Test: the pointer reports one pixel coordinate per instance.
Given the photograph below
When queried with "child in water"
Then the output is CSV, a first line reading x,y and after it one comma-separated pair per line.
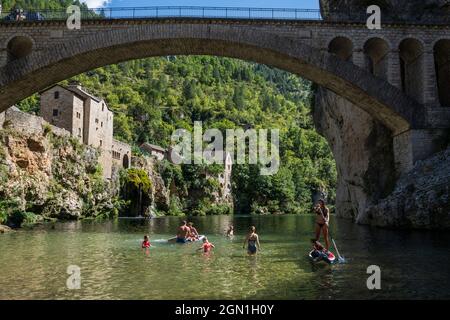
x,y
230,231
146,243
206,246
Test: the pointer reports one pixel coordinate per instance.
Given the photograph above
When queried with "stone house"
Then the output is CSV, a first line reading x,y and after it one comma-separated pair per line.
x,y
88,118
225,178
155,151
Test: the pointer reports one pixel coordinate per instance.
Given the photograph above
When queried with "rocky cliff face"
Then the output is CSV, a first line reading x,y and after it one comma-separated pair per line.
x,y
367,189
396,10
362,148
421,198
158,196
44,175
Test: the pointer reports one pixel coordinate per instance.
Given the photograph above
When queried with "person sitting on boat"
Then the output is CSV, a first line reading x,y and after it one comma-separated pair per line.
x,y
183,233
146,243
206,246
252,241
193,234
322,220
317,245
230,231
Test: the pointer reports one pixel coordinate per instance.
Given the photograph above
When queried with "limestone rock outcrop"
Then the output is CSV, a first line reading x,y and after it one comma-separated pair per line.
x,y
47,175
4,229
159,195
421,198
362,148
395,10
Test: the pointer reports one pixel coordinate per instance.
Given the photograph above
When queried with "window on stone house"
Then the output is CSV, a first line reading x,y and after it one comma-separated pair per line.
x,y
96,120
103,107
55,112
56,94
101,143
79,132
101,124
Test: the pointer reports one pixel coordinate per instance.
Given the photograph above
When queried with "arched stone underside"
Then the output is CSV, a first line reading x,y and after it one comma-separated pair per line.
x,y
24,76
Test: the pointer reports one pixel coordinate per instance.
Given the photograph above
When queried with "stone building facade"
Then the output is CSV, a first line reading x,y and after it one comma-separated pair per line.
x,y
155,151
88,118
225,179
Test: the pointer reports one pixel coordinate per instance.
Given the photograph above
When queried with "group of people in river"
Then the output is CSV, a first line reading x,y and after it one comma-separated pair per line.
x,y
188,233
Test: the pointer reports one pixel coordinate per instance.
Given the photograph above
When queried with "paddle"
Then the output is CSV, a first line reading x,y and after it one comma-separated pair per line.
x,y
341,259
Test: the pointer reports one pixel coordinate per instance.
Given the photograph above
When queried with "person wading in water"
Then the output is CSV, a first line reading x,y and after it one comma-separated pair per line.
x,y
322,219
252,241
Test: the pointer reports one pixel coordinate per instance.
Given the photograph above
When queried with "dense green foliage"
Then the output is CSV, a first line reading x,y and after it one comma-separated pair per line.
x,y
153,97
39,4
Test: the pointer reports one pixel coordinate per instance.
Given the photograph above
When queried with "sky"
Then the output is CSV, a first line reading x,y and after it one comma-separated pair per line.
x,y
300,4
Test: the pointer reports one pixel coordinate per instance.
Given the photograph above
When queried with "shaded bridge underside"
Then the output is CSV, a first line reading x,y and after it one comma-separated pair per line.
x,y
39,70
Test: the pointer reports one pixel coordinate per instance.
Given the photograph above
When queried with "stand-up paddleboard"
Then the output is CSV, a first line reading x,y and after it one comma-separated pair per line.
x,y
174,239
316,256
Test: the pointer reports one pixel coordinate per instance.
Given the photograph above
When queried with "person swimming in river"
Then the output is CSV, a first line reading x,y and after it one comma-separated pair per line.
x,y
322,221
146,243
206,246
183,233
193,234
230,231
252,241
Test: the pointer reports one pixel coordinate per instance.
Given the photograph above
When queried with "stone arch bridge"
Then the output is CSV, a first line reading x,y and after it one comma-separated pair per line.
x,y
400,74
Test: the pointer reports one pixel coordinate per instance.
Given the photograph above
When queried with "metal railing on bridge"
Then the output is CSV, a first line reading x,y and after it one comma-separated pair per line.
x,y
242,13
166,12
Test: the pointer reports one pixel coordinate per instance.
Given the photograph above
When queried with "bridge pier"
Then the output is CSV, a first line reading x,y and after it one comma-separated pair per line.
x,y
415,145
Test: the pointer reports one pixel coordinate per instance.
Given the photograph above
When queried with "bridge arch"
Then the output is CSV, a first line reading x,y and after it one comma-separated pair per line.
x,y
376,51
19,46
442,67
411,55
342,47
23,77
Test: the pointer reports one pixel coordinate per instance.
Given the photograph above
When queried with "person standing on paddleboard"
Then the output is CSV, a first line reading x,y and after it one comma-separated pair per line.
x,y
322,220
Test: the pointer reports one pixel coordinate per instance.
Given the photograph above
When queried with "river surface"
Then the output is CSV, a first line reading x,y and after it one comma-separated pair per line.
x,y
33,263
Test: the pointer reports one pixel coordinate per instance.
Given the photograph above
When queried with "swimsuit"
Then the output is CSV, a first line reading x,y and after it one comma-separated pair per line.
x,y
321,224
251,246
146,244
181,240
207,247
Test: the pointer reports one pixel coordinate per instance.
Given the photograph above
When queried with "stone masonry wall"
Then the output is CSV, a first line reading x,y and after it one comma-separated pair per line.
x,y
27,123
316,34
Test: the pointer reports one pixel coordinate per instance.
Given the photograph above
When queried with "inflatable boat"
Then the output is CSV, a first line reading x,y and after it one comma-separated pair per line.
x,y
174,239
316,256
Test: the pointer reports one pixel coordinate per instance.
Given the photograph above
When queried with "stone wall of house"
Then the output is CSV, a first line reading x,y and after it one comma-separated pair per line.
x,y
28,123
69,110
121,154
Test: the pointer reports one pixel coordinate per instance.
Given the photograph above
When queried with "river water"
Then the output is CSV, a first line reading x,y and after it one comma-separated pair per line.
x,y
33,263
